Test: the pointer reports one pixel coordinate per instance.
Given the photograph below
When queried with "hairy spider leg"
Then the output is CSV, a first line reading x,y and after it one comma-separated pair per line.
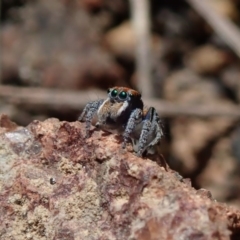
x,y
134,119
147,130
157,128
88,114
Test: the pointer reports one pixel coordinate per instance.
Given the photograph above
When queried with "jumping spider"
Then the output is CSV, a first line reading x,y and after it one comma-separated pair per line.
x,y
123,113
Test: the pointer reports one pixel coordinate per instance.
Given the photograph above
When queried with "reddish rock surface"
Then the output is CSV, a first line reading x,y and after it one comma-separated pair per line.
x,y
57,185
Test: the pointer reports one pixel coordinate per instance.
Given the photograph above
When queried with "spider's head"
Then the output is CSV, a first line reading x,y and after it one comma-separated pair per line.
x,y
125,99
124,94
120,104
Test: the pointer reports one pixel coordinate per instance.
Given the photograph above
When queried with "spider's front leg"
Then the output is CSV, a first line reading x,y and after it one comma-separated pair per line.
x,y
134,119
156,130
151,132
88,113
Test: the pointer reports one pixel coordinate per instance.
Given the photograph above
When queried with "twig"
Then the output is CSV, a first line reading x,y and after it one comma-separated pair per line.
x,y
59,99
141,25
226,29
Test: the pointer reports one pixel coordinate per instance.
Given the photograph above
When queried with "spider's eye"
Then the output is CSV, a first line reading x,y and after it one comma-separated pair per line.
x,y
108,91
114,93
123,95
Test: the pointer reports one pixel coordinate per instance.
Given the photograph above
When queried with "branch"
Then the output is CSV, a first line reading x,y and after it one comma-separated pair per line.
x,y
76,100
141,25
227,30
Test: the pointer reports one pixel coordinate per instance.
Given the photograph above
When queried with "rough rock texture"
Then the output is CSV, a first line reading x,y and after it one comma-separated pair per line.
x,y
54,184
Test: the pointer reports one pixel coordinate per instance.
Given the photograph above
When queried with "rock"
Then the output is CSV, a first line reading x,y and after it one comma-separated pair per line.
x,y
230,79
207,59
194,138
221,175
6,124
121,40
55,184
187,87
57,44
226,8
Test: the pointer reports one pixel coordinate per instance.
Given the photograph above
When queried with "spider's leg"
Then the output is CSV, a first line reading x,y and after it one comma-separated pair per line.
x,y
133,120
147,130
144,137
81,118
88,113
157,129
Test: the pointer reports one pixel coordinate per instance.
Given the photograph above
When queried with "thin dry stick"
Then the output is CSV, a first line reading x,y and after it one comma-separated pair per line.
x,y
226,29
141,25
76,100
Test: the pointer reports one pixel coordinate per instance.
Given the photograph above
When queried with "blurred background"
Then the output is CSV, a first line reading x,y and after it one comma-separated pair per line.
x,y
182,55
